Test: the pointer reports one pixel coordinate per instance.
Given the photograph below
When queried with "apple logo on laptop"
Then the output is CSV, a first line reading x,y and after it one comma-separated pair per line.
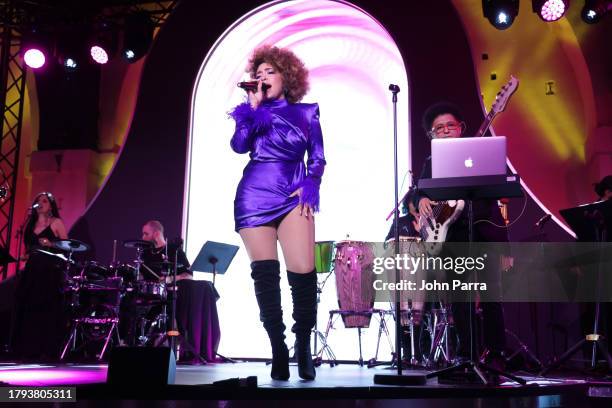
x,y
469,163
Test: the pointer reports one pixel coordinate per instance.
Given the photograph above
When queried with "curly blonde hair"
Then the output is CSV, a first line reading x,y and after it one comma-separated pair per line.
x,y
291,68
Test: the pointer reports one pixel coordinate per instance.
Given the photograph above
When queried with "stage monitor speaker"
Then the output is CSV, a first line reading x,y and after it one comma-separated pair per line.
x,y
142,365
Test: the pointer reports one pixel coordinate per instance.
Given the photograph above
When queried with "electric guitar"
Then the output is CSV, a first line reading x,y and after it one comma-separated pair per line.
x,y
434,229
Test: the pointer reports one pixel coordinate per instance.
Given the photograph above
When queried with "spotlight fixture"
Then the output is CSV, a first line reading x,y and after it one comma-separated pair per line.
x,y
34,49
500,13
594,10
550,10
72,49
137,36
103,44
34,57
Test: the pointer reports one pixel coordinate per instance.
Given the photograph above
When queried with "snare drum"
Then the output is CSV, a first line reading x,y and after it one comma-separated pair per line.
x,y
150,290
354,280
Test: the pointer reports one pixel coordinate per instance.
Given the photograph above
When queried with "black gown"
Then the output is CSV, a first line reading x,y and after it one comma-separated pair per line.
x,y
40,318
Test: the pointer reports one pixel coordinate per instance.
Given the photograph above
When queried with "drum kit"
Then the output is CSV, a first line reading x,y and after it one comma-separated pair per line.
x,y
97,294
352,263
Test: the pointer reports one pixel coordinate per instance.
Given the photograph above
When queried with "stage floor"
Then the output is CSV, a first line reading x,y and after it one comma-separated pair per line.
x,y
347,382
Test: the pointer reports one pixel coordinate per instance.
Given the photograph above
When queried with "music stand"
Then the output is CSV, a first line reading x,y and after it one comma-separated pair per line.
x,y
591,223
214,257
468,189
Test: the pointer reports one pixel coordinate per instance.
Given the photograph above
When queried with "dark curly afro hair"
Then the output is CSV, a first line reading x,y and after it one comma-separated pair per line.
x,y
292,69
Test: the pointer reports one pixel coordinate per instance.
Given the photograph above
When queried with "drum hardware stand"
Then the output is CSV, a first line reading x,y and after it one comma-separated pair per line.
x,y
317,333
382,328
440,339
522,349
330,323
87,320
592,218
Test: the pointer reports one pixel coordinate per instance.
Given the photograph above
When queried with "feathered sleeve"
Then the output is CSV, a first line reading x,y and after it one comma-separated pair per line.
x,y
249,123
315,163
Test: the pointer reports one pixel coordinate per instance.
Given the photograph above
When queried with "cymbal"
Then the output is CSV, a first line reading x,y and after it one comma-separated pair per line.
x,y
71,245
60,256
137,243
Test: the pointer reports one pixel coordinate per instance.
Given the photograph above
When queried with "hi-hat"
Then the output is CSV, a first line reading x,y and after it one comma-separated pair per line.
x,y
137,243
72,245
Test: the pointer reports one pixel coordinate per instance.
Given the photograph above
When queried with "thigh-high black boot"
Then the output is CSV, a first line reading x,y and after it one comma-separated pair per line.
x,y
266,276
304,293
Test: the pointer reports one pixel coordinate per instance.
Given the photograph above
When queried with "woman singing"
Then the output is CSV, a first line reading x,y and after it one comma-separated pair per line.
x,y
278,195
40,325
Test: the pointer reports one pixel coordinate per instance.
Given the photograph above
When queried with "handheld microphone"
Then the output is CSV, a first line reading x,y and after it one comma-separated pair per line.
x,y
252,86
543,220
35,206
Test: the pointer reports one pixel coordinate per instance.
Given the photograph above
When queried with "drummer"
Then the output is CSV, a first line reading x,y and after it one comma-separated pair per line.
x,y
161,250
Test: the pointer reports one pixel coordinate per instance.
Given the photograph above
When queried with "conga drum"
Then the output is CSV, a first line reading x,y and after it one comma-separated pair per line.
x,y
354,282
324,252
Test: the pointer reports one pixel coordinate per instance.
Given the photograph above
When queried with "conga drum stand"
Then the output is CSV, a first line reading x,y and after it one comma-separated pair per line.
x,y
324,255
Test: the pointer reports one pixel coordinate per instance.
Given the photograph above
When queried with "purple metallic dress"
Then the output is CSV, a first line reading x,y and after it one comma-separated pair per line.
x,y
277,134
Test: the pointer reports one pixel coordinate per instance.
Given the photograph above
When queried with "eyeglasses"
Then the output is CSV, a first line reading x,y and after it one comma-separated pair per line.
x,y
439,128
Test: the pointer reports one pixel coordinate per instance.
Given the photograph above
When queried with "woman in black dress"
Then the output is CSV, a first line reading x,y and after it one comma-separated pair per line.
x,y
39,319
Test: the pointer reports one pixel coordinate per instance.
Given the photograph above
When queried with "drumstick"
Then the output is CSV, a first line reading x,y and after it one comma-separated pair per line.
x,y
150,271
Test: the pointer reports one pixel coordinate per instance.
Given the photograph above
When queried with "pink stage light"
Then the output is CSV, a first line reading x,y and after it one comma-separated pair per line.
x,y
552,10
99,54
34,58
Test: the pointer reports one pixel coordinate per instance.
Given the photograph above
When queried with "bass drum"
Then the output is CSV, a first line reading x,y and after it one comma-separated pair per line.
x,y
97,320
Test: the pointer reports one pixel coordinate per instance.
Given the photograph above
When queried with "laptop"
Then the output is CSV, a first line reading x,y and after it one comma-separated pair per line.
x,y
468,156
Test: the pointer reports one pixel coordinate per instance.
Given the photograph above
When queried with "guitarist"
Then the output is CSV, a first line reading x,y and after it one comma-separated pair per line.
x,y
444,120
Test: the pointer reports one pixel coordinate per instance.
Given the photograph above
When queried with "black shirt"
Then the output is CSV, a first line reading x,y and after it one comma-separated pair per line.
x,y
152,258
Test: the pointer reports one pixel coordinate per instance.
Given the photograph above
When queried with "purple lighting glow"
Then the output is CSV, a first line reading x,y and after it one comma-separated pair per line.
x,y
552,10
34,58
99,54
36,375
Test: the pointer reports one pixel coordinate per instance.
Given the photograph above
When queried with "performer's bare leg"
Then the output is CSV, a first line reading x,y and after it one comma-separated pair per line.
x,y
260,242
296,234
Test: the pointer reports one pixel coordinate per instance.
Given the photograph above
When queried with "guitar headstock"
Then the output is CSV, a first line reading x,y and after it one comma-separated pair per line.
x,y
504,95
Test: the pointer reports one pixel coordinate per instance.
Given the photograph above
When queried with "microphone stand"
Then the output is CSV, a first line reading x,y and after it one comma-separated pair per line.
x,y
173,333
19,237
397,379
